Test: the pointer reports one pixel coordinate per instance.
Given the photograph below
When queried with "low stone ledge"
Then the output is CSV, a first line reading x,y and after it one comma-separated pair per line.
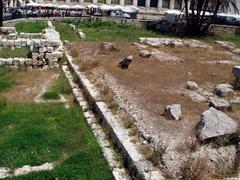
x,y
118,172
136,163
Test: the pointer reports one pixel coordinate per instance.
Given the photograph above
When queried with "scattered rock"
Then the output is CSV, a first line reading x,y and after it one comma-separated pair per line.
x,y
72,26
226,45
109,46
124,63
81,35
139,46
224,90
157,42
28,62
220,104
162,56
236,72
173,111
214,123
144,54
236,51
66,42
192,85
196,96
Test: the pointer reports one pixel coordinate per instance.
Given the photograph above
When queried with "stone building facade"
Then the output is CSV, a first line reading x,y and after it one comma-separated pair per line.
x,y
149,5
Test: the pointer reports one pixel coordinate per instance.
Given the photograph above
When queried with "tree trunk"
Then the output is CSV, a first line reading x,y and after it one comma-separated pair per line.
x,y
1,13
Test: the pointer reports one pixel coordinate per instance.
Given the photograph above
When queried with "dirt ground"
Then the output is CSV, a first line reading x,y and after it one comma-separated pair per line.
x,y
149,84
28,84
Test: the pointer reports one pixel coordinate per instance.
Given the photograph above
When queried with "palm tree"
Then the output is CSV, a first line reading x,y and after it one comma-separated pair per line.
x,y
197,21
1,13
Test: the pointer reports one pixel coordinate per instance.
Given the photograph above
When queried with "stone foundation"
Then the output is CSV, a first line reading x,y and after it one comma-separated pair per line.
x,y
45,51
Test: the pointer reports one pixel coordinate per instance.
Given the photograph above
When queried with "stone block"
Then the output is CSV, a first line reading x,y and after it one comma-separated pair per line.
x,y
18,42
50,49
35,56
214,123
28,62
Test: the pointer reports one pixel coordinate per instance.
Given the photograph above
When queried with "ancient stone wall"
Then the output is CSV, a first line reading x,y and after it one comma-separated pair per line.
x,y
46,50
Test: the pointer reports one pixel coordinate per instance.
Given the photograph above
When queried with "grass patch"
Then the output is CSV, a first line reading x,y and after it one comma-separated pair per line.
x,y
51,95
8,52
5,80
103,31
232,38
62,86
34,134
66,33
31,27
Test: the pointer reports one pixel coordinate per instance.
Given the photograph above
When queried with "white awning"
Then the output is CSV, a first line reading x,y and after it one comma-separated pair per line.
x,y
92,6
77,7
117,7
105,7
32,4
64,6
130,9
50,5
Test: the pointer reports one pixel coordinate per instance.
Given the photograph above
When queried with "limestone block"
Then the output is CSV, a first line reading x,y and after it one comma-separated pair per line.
x,y
10,42
24,42
30,42
18,42
35,56
2,62
28,62
214,123
50,49
192,85
16,62
42,49
9,61
8,30
4,42
12,36
34,62
219,103
224,90
36,43
173,111
44,42
54,55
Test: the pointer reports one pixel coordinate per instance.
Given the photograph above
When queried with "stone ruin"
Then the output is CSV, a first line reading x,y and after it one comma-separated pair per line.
x,y
46,49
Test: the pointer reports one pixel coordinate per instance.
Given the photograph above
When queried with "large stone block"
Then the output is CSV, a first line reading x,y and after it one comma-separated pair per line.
x,y
9,61
30,42
2,62
28,62
42,49
35,56
224,90
236,72
54,55
8,30
18,42
214,123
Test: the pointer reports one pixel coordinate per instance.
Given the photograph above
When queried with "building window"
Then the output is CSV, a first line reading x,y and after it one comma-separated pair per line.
x,y
128,2
178,4
153,3
102,1
74,0
166,3
87,1
141,3
114,1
